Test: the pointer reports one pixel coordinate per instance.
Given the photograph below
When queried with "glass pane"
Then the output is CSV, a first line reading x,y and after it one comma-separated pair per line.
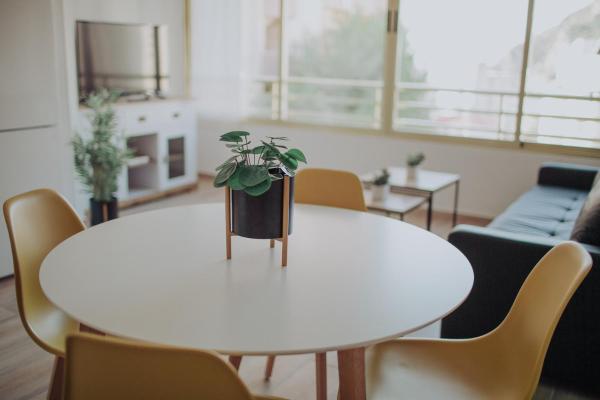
x,y
336,53
458,67
562,103
261,36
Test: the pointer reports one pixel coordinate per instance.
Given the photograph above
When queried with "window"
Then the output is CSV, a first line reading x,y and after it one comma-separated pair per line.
x,y
458,67
562,92
452,68
335,68
261,28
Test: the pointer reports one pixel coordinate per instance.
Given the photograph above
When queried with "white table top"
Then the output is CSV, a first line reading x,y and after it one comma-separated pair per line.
x,y
353,279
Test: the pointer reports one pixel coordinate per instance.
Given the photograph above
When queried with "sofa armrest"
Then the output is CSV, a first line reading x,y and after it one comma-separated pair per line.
x,y
573,176
501,262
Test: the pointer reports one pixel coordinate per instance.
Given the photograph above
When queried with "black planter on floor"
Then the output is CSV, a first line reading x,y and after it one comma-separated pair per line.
x,y
260,217
102,211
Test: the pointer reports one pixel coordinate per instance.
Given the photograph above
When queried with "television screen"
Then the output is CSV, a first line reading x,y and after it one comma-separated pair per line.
x,y
130,58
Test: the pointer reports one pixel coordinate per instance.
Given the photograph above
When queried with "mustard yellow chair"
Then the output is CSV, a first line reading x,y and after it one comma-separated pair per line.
x,y
38,221
503,364
328,187
100,368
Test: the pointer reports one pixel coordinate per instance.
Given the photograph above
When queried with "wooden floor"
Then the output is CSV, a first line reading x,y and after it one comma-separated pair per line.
x,y
25,368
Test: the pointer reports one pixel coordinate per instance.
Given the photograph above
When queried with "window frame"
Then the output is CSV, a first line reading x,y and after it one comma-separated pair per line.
x,y
386,129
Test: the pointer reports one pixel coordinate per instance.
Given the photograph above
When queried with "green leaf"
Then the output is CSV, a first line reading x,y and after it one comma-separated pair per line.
x,y
233,136
224,174
259,189
271,149
234,181
278,137
252,175
226,162
258,149
238,133
296,154
230,138
289,162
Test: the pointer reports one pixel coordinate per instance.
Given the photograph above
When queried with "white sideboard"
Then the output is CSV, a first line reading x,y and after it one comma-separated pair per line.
x,y
162,136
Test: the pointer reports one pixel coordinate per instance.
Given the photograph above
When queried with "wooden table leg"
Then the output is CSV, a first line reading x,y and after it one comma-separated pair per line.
x,y
351,366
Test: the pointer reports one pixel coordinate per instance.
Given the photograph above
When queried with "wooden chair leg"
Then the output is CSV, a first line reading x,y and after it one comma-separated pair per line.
x,y
269,367
321,370
235,361
55,391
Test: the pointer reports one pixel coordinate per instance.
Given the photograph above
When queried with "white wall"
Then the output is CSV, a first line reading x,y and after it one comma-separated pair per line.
x,y
491,177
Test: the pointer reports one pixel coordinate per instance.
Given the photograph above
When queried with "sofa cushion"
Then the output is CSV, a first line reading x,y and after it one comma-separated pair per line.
x,y
587,225
548,211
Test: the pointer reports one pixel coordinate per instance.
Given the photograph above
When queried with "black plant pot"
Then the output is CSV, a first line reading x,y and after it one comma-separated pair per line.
x,y
261,217
102,211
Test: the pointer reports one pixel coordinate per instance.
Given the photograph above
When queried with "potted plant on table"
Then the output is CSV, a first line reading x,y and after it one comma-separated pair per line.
x,y
412,164
381,186
100,159
255,177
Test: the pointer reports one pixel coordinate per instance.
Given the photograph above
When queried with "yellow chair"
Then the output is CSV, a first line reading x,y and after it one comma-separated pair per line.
x,y
38,221
328,187
100,368
503,364
324,187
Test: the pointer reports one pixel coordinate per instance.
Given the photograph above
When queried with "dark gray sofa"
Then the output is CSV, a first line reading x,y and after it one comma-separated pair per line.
x,y
503,253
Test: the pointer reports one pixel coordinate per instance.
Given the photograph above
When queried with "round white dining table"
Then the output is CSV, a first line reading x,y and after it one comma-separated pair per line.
x,y
353,279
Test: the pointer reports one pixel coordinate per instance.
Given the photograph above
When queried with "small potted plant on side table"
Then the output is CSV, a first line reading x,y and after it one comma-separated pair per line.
x,y
99,160
255,176
381,188
412,164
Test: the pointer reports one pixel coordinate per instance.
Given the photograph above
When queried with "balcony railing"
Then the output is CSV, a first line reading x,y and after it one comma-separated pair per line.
x,y
419,108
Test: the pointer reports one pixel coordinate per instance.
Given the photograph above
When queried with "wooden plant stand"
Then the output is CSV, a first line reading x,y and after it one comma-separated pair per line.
x,y
284,225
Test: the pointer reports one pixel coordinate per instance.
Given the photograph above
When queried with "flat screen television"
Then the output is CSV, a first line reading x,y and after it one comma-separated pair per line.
x,y
130,58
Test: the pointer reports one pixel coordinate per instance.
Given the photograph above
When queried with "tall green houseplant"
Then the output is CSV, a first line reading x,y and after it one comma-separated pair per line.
x,y
100,159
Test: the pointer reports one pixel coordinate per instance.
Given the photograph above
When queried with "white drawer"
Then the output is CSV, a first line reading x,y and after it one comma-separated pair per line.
x,y
154,117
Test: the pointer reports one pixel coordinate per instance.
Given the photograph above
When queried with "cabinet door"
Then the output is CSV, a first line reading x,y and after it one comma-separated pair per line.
x,y
27,64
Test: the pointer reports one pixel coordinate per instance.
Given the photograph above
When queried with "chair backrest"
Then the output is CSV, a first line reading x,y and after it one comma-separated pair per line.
x,y
37,221
99,368
522,339
329,187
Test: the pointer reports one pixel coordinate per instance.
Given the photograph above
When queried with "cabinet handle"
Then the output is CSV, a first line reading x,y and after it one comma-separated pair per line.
x,y
175,115
141,118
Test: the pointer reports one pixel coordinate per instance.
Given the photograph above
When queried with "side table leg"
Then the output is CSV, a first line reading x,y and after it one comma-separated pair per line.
x,y
351,366
455,214
429,210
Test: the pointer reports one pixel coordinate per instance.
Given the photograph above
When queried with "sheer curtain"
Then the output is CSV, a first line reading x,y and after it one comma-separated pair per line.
x,y
216,57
